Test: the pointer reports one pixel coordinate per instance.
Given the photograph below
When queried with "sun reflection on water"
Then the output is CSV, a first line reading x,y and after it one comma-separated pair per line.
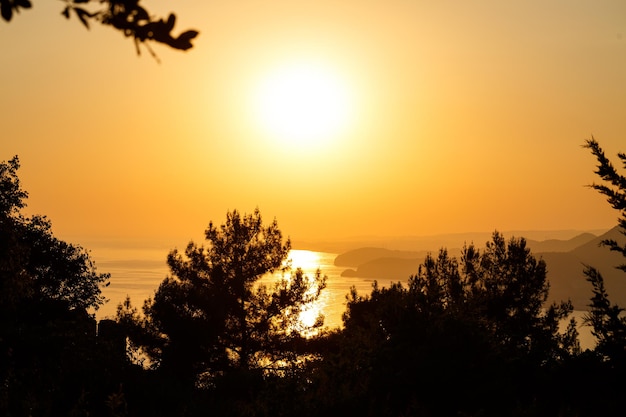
x,y
309,262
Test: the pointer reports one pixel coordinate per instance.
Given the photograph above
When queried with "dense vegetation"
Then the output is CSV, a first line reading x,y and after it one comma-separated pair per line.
x,y
463,337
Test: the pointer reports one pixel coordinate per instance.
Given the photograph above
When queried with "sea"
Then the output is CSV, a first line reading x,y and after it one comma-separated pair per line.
x,y
137,272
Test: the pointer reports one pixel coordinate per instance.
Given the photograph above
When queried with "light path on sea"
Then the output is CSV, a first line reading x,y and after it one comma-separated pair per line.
x,y
137,273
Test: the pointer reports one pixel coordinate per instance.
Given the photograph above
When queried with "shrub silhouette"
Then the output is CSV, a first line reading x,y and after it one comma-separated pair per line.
x,y
212,324
47,338
605,318
462,338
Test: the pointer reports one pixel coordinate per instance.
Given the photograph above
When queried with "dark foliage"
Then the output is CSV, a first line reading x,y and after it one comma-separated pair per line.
x,y
614,188
468,338
126,16
606,319
465,337
212,324
34,265
48,348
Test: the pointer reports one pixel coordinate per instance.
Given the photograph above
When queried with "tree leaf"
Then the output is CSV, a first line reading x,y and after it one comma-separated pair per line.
x,y
184,40
170,22
82,15
141,14
66,12
6,10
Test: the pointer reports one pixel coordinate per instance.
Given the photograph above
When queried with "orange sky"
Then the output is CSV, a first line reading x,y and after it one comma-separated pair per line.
x,y
468,116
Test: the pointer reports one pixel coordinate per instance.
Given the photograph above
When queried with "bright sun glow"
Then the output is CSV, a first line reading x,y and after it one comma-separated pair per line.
x,y
305,259
309,262
303,104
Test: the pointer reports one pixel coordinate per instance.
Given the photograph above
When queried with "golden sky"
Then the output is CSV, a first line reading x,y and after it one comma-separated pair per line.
x,y
456,116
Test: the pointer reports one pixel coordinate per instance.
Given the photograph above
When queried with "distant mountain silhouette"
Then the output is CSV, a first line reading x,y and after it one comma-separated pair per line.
x,y
395,269
558,245
360,256
565,271
565,260
432,243
594,246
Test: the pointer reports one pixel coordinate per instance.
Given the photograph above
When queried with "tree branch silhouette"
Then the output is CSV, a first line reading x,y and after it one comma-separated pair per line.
x,y
126,16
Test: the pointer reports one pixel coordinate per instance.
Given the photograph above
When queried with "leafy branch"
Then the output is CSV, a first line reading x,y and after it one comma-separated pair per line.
x,y
127,16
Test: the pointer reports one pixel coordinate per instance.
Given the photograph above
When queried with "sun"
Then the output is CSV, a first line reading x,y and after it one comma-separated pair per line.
x,y
303,104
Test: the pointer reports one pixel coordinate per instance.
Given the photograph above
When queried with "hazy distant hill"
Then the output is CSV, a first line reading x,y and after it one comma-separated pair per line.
x,y
565,271
395,269
435,242
559,245
378,263
360,256
565,259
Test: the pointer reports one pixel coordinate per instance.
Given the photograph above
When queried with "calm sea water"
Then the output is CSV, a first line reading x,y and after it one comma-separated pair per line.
x,y
138,272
